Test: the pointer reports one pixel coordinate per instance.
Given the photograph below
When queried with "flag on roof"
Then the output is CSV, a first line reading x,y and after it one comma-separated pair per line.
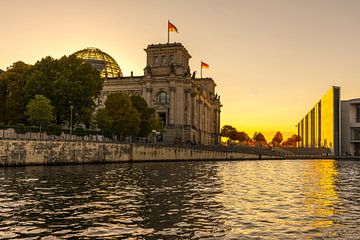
x,y
171,27
204,65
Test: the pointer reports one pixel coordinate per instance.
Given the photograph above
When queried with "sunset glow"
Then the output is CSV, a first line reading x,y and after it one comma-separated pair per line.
x,y
271,60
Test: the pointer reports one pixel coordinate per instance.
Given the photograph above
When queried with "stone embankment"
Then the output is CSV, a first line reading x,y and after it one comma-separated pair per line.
x,y
40,152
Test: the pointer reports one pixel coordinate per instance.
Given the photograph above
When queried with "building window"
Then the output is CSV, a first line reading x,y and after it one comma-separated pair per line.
x,y
356,149
161,98
164,59
162,117
357,106
156,60
355,134
172,59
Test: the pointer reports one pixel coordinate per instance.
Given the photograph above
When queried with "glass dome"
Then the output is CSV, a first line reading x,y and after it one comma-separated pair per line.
x,y
101,61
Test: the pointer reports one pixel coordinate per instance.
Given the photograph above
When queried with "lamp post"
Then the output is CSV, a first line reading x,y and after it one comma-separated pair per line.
x,y
71,112
154,135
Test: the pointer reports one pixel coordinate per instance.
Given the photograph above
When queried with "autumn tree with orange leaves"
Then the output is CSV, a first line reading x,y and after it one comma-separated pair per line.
x,y
291,141
277,139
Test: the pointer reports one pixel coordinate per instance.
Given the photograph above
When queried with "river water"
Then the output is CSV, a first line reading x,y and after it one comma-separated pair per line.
x,y
293,199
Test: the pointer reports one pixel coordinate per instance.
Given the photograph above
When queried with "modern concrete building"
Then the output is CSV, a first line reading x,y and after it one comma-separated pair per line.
x,y
320,127
189,106
332,123
350,127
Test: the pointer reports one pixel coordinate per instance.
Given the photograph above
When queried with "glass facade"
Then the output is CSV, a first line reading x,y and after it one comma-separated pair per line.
x,y
103,62
320,127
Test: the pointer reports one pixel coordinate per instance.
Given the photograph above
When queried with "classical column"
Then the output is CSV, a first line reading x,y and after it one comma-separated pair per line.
x,y
148,96
188,108
193,112
201,121
218,126
172,106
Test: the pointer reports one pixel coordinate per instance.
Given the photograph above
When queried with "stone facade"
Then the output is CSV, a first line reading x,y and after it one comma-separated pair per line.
x,y
189,106
30,152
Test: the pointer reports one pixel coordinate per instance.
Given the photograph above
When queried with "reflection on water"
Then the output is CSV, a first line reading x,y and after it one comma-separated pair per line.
x,y
190,200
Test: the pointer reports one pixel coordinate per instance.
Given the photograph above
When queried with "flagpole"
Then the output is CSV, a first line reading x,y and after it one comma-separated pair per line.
x,y
168,32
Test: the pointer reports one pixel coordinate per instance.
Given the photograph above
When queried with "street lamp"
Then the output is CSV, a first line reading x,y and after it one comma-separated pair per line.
x,y
71,112
154,135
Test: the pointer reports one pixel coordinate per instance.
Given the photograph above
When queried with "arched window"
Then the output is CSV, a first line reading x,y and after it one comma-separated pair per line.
x,y
161,98
163,59
156,60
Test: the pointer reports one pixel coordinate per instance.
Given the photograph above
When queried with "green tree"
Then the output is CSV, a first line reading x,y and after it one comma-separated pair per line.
x,y
66,81
40,111
102,120
149,120
124,117
12,101
3,99
41,77
277,139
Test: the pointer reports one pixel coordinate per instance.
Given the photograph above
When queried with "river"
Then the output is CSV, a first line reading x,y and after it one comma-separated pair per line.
x,y
289,199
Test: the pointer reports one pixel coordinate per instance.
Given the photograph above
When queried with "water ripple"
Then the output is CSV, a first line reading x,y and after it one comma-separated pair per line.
x,y
189,200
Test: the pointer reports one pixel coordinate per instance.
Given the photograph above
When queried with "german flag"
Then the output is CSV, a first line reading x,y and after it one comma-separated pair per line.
x,y
171,27
204,65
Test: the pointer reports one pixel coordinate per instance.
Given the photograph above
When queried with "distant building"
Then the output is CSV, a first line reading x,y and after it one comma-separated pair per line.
x,y
320,127
332,123
350,127
188,106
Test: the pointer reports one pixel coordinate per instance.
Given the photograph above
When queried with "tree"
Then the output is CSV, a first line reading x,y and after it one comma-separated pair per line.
x,y
291,141
66,81
40,111
124,117
149,120
241,137
277,139
102,120
12,101
229,132
259,138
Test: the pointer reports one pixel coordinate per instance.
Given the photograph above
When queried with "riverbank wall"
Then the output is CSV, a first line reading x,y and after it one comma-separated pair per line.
x,y
37,152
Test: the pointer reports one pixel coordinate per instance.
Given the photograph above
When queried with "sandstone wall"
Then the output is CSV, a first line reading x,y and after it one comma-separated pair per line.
x,y
25,152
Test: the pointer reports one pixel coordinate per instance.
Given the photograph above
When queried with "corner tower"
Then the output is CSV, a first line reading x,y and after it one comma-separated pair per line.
x,y
167,59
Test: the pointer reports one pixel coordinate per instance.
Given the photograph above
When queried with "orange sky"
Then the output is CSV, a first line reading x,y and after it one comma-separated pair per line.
x,y
272,60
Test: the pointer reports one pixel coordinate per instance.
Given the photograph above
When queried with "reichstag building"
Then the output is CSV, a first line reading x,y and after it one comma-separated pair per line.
x,y
189,106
